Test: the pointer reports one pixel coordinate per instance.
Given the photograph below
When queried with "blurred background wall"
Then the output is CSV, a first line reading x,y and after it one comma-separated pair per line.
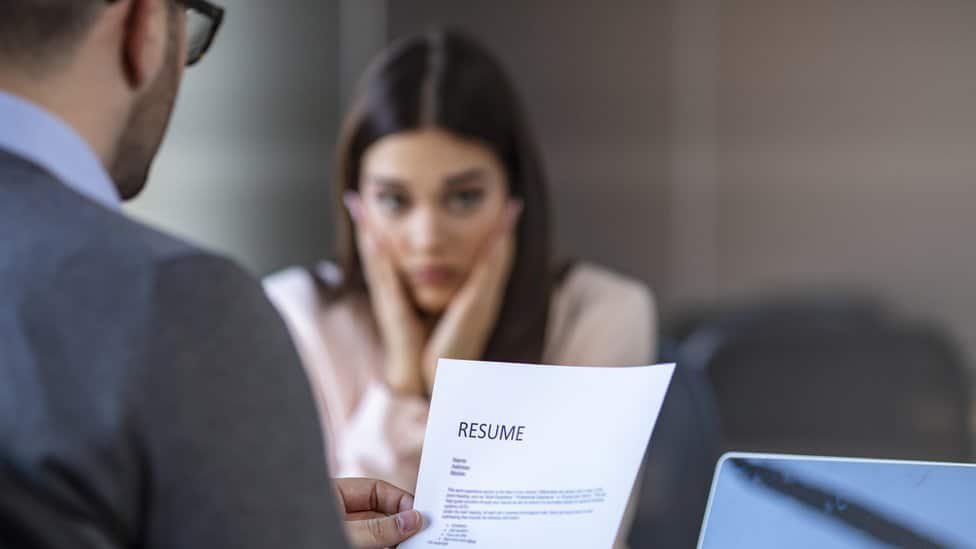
x,y
718,150
246,164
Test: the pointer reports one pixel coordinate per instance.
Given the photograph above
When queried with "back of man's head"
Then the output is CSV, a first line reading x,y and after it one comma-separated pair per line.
x,y
35,34
110,69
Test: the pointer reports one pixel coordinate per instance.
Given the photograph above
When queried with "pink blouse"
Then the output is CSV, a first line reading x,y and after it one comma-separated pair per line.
x,y
596,318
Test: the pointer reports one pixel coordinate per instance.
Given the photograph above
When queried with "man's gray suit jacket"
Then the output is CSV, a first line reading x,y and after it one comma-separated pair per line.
x,y
150,396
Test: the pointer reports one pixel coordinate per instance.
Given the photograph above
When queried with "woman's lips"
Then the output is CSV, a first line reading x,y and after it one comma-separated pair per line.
x,y
433,276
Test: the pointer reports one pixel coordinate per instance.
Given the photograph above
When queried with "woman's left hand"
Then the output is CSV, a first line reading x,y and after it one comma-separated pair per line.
x,y
463,330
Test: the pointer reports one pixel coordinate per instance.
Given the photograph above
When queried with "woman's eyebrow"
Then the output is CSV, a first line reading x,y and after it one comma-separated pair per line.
x,y
466,176
386,180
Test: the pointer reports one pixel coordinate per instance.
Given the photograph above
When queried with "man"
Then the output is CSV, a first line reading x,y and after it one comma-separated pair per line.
x,y
149,395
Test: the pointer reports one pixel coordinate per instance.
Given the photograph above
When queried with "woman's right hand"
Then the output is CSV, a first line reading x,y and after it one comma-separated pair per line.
x,y
465,327
402,331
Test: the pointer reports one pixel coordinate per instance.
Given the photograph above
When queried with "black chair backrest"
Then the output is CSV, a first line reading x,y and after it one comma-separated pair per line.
x,y
811,381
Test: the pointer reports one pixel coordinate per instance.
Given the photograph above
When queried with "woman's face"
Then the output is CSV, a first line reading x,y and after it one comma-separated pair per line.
x,y
436,199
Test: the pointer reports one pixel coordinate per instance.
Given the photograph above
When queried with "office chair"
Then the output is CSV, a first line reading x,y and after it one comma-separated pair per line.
x,y
809,379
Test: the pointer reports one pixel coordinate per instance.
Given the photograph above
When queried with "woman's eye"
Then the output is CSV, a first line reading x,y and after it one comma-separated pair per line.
x,y
392,202
465,200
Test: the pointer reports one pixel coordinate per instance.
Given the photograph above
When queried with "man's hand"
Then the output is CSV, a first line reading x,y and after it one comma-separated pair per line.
x,y
377,514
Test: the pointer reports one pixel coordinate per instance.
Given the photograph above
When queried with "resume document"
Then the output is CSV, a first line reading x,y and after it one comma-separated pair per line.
x,y
519,455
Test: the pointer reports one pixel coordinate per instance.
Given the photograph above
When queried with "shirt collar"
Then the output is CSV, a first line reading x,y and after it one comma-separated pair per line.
x,y
39,137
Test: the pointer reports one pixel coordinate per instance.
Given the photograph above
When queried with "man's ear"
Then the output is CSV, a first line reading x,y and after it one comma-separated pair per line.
x,y
144,40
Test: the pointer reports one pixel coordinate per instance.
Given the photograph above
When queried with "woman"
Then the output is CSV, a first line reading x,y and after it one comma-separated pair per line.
x,y
445,252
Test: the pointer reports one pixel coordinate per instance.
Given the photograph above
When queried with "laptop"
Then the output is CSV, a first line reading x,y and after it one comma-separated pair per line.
x,y
766,501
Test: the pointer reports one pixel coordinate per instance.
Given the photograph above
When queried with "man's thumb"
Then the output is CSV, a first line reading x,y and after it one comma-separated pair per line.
x,y
377,533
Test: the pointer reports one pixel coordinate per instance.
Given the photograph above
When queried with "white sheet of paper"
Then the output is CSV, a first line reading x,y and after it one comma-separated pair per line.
x,y
519,455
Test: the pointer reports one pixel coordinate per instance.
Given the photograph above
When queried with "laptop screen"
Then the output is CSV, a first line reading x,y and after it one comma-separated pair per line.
x,y
767,501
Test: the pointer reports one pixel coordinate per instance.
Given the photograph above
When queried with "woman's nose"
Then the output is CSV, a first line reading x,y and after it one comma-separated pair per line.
x,y
426,231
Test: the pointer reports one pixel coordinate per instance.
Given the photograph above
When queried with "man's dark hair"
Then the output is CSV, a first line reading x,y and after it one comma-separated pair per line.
x,y
37,32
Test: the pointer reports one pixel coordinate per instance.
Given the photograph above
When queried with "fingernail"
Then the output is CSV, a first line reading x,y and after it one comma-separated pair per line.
x,y
517,206
406,503
355,207
409,521
515,210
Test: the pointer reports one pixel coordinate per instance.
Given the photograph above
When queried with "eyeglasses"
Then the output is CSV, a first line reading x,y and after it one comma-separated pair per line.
x,y
202,23
203,20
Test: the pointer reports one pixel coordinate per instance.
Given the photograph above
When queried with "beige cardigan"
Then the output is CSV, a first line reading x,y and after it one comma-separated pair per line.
x,y
596,318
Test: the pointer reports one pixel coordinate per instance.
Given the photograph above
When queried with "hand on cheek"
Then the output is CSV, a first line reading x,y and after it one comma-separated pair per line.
x,y
469,320
466,324
402,332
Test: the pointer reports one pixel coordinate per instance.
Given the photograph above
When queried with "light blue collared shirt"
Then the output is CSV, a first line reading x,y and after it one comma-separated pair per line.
x,y
32,133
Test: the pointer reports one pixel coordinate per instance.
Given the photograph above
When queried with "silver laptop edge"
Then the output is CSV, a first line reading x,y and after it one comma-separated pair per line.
x,y
798,457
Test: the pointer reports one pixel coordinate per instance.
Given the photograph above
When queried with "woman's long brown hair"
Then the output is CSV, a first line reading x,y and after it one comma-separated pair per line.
x,y
446,80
